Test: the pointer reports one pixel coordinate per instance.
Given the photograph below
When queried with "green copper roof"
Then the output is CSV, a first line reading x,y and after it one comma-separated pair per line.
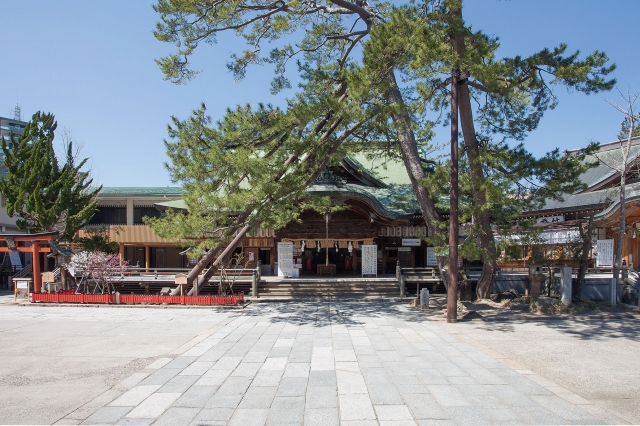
x,y
386,202
175,205
160,191
390,171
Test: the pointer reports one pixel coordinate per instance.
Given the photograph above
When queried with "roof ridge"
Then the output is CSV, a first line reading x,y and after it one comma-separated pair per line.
x,y
608,145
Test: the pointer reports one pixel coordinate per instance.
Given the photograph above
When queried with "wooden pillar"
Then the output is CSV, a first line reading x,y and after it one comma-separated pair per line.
x,y
63,272
121,253
354,262
147,263
272,256
37,278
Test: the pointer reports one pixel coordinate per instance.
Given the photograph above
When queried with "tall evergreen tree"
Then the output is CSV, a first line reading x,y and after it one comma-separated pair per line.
x,y
499,100
419,45
45,195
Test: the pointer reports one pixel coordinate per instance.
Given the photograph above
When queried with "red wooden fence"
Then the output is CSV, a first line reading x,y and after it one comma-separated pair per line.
x,y
65,296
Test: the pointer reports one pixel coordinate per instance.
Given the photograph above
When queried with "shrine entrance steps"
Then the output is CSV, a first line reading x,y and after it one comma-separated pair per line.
x,y
291,288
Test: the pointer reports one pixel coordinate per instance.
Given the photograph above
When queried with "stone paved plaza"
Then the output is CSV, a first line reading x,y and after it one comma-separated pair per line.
x,y
311,363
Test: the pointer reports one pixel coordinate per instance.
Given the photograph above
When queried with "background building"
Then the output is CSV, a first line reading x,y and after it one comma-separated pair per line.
x,y
7,127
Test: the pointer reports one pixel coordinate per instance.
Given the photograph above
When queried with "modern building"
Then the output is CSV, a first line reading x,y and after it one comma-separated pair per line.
x,y
8,126
121,212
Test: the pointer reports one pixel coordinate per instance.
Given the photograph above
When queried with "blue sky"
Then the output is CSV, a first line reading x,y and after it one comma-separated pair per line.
x,y
91,64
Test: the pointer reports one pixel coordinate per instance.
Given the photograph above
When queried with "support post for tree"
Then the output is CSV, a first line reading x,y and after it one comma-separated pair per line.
x,y
452,288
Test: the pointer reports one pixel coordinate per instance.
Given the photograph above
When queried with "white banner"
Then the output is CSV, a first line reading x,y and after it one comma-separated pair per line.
x,y
411,242
431,257
604,256
285,259
370,260
548,237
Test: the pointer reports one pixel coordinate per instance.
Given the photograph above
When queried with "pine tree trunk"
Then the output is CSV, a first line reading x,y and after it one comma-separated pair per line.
x,y
411,159
587,241
201,280
482,218
617,264
209,257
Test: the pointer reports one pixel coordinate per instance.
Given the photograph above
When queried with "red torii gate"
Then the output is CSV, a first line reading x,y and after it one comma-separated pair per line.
x,y
12,239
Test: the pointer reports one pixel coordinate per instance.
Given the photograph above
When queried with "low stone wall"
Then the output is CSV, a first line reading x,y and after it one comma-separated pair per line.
x,y
504,282
594,288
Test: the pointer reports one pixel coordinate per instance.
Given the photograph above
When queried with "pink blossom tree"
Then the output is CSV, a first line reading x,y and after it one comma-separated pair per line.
x,y
101,267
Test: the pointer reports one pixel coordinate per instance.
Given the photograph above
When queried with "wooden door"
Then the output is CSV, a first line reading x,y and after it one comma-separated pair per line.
x,y
405,259
160,258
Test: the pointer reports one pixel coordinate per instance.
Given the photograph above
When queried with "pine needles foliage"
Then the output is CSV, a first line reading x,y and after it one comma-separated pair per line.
x,y
45,194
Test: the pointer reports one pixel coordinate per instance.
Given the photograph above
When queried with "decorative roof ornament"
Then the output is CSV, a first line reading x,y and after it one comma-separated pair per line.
x,y
328,177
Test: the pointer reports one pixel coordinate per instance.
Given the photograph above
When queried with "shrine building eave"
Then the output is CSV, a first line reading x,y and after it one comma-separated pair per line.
x,y
596,200
612,212
381,200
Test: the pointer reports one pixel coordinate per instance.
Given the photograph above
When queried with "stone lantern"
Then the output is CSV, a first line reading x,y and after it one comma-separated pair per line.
x,y
536,276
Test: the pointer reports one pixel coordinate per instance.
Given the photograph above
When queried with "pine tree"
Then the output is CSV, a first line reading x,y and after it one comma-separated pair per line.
x,y
510,96
45,195
381,44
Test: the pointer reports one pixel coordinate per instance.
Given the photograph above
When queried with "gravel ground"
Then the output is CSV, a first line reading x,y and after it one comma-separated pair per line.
x,y
592,354
55,359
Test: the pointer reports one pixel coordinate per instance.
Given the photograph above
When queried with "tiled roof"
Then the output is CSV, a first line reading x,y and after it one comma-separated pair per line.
x,y
609,155
160,191
585,200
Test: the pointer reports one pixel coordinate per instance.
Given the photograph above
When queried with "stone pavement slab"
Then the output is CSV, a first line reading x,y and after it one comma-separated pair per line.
x,y
334,362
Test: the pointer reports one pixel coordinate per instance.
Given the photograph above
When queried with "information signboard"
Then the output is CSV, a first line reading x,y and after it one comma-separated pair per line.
x,y
431,257
285,259
370,259
604,258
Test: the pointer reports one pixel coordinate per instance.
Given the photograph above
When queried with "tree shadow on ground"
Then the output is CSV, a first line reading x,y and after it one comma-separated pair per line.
x,y
323,313
327,312
585,327
594,329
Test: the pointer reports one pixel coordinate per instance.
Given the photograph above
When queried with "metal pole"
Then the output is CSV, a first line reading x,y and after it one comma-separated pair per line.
x,y
452,289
